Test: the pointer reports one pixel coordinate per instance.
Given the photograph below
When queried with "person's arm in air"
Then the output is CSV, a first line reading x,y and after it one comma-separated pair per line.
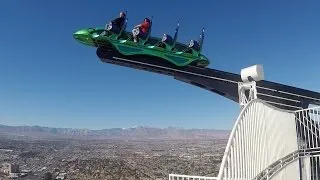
x,y
143,25
139,25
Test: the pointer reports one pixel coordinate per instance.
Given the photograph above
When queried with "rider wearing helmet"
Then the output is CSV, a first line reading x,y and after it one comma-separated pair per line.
x,y
143,29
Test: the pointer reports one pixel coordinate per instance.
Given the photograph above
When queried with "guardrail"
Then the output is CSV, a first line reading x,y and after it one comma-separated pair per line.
x,y
187,177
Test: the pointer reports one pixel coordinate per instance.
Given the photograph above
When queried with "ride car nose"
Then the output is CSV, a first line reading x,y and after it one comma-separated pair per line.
x,y
81,32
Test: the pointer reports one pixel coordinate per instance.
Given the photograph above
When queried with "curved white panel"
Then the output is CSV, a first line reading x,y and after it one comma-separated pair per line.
x,y
262,135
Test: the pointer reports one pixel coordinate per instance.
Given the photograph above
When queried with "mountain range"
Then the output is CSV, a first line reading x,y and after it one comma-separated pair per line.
x,y
140,132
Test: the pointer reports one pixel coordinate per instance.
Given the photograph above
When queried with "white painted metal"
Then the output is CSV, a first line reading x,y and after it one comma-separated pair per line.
x,y
243,88
267,143
308,122
252,73
262,134
186,177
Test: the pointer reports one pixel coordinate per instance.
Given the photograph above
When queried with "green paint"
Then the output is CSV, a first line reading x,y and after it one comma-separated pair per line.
x,y
124,44
128,49
177,59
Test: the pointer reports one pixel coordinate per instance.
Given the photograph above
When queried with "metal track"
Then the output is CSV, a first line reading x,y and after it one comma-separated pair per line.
x,y
277,166
220,82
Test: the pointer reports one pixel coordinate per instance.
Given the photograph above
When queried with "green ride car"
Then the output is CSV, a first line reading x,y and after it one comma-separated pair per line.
x,y
166,48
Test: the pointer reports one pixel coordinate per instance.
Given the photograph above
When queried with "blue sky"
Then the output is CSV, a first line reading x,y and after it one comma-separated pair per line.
x,y
49,79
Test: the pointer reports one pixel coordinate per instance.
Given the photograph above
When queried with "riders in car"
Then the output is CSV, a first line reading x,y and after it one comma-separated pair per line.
x,y
116,24
141,30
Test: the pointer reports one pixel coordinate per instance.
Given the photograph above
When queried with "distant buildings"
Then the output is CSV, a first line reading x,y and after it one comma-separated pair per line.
x,y
12,170
61,176
47,176
8,168
50,176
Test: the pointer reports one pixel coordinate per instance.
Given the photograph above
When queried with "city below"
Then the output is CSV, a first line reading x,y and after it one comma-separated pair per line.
x,y
34,152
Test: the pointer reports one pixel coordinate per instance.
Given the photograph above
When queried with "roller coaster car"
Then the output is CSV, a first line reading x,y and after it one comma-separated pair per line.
x,y
167,48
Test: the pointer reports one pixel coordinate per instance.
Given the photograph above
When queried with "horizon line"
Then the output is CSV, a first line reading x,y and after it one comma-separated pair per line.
x,y
143,126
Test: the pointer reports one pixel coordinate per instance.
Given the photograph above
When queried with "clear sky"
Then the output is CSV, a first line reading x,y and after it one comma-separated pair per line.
x,y
49,79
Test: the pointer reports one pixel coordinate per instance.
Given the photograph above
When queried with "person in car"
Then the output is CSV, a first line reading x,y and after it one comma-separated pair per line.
x,y
141,30
119,22
116,24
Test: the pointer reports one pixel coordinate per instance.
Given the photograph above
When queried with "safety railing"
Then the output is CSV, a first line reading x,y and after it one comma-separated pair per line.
x,y
187,177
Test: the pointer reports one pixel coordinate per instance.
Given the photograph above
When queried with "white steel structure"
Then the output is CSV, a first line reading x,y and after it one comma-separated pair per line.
x,y
262,135
269,143
183,177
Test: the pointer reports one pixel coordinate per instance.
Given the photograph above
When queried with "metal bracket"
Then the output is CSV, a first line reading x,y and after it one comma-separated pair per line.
x,y
247,92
